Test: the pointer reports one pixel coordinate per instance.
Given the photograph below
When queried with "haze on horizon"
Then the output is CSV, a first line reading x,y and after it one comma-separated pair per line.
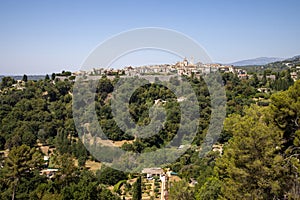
x,y
39,37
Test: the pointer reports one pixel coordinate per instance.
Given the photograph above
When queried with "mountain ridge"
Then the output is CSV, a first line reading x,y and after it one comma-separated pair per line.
x,y
257,61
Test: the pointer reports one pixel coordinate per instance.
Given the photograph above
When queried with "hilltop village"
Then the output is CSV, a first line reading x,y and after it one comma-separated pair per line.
x,y
180,68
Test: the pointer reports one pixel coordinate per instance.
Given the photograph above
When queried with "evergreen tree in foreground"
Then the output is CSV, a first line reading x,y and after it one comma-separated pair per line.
x,y
252,166
137,189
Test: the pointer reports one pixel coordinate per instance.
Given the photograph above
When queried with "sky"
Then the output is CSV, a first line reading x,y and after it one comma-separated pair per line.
x,y
39,37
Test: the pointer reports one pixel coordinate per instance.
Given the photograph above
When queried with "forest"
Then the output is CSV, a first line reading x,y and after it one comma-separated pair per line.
x,y
260,141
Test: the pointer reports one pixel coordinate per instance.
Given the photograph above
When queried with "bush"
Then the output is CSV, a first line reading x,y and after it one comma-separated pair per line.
x,y
110,176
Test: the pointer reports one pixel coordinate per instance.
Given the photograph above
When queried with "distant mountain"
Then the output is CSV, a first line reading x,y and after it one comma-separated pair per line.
x,y
257,61
293,59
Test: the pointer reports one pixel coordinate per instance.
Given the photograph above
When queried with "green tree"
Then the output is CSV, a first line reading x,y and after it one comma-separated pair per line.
x,y
180,190
264,79
210,190
85,189
62,142
254,81
110,176
25,78
7,82
19,163
47,78
286,110
137,189
65,164
285,107
29,139
42,136
53,75
251,167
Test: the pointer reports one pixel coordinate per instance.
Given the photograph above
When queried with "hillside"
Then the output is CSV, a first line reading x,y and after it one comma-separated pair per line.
x,y
259,135
256,61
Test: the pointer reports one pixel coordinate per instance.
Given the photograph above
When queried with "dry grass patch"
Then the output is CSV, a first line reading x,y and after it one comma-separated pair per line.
x,y
93,165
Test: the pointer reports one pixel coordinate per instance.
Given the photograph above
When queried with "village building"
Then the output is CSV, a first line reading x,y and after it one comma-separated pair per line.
x,y
150,172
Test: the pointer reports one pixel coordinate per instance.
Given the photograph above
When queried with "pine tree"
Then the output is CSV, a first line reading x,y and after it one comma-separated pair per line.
x,y
53,76
21,161
25,78
180,190
286,114
251,167
47,78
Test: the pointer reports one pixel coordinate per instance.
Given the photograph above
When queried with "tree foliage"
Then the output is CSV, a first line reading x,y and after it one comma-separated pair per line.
x,y
137,189
20,163
251,166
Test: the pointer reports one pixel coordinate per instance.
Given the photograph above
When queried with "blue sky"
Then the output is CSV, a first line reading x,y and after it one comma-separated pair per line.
x,y
39,37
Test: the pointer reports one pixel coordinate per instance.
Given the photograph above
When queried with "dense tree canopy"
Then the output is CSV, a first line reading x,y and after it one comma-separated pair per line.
x,y
260,142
